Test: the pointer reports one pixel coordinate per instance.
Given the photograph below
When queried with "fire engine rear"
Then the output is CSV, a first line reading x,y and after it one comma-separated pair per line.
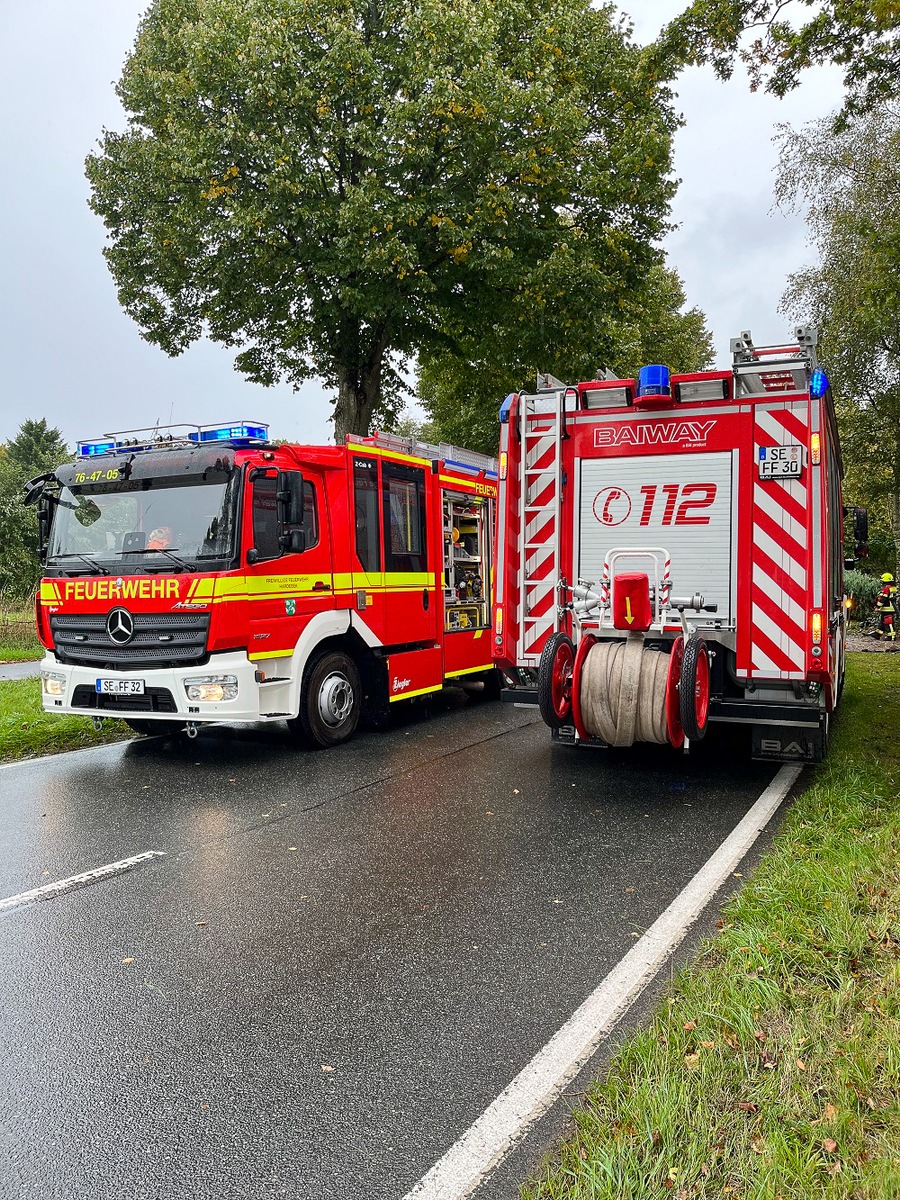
x,y
211,575
670,553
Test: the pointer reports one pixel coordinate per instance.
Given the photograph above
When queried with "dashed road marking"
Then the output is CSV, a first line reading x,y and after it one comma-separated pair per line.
x,y
50,890
505,1121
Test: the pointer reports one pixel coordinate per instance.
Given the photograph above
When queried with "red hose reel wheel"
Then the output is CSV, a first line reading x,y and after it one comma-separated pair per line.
x,y
695,689
584,647
674,728
554,686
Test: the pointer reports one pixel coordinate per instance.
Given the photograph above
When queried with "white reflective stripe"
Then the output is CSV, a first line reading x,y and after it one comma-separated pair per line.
x,y
780,637
780,557
765,500
768,587
770,423
761,661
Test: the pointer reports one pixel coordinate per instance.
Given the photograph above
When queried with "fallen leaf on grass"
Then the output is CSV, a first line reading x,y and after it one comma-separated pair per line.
x,y
829,1145
829,1112
691,1061
748,1106
708,1045
801,1065
689,1025
758,1144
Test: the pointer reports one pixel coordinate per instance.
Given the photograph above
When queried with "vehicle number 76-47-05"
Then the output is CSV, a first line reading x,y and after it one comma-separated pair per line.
x,y
121,687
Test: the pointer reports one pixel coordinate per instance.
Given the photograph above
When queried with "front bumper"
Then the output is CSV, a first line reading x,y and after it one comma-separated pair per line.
x,y
164,696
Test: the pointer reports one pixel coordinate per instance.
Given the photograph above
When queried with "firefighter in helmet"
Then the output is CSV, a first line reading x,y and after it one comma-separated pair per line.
x,y
886,607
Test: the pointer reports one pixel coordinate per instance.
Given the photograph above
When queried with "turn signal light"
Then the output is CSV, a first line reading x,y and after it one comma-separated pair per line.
x,y
815,449
504,457
816,626
498,620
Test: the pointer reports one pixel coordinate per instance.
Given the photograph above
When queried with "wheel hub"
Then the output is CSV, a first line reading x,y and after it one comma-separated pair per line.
x,y
335,699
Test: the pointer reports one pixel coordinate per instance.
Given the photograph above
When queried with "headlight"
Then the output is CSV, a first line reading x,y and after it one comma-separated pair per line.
x,y
53,683
212,688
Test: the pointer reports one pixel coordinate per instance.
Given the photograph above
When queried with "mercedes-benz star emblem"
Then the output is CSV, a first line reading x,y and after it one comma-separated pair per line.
x,y
120,626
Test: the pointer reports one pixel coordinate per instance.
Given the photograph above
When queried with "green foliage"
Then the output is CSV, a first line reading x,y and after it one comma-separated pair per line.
x,y
862,38
853,291
329,186
463,394
36,448
863,588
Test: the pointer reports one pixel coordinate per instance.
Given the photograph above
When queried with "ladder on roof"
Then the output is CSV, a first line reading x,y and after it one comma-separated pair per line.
x,y
541,429
443,451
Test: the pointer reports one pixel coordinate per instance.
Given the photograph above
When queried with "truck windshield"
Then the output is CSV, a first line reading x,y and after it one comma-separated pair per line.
x,y
147,524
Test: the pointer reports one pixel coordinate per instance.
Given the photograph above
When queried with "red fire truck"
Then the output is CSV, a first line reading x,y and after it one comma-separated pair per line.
x,y
670,553
211,575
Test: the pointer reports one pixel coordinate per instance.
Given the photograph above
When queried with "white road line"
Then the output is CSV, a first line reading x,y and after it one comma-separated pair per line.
x,y
539,1084
76,881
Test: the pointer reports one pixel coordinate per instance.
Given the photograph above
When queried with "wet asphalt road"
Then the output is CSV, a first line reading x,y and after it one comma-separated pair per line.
x,y
343,957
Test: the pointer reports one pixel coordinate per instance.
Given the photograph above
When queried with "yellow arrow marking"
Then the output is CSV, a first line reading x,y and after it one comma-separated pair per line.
x,y
628,617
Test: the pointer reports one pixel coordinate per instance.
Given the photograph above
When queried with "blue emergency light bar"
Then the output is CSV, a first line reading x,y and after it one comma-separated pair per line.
x,y
244,433
654,380
236,434
818,385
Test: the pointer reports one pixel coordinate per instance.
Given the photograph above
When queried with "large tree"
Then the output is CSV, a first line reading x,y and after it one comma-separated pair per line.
x,y
327,186
36,448
849,185
462,392
777,41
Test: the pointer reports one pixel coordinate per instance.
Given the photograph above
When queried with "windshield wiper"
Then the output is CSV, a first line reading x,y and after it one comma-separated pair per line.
x,y
185,566
92,563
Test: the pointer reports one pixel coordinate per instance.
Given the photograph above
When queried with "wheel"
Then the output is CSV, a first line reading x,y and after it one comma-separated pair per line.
x,y
674,727
554,687
330,700
584,648
694,689
155,728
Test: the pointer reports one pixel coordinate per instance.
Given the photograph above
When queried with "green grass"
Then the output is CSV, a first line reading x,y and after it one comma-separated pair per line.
x,y
772,1069
18,638
26,730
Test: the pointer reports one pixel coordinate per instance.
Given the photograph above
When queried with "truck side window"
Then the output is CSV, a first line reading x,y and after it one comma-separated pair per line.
x,y
403,500
310,524
265,517
365,503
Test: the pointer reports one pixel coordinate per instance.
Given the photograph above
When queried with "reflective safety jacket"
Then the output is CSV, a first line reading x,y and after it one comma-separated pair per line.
x,y
886,599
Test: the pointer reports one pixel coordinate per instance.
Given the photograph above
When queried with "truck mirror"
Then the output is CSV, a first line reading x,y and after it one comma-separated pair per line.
x,y
33,490
861,524
293,542
289,496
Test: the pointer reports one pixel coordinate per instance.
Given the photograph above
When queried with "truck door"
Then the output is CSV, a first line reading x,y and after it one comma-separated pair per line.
x,y
409,572
285,588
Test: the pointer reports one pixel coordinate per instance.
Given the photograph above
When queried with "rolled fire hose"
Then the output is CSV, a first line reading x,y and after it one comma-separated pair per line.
x,y
622,692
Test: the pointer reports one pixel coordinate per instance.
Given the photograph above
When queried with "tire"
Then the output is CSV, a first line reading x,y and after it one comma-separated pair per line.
x,y
694,689
554,687
155,728
330,701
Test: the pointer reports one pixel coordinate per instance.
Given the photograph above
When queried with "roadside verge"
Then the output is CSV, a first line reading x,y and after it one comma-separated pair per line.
x,y
773,1067
26,731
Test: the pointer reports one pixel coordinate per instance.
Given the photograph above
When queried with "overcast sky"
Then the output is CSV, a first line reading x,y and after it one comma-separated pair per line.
x,y
70,354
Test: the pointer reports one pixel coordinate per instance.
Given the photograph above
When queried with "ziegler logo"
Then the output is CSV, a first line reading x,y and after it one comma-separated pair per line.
x,y
654,433
398,685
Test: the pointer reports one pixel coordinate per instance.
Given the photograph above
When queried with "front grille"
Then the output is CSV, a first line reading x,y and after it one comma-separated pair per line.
x,y
160,640
154,700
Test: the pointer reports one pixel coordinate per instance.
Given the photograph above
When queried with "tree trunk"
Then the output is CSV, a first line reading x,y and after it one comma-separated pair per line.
x,y
359,392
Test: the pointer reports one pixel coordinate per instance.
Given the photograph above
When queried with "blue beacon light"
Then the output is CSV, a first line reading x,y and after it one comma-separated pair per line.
x,y
818,385
654,380
231,433
90,449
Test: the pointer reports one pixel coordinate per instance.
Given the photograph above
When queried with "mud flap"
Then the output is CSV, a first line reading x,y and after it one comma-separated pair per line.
x,y
791,743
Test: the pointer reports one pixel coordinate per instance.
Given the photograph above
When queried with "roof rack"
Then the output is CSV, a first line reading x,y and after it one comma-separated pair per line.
x,y
232,433
468,459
